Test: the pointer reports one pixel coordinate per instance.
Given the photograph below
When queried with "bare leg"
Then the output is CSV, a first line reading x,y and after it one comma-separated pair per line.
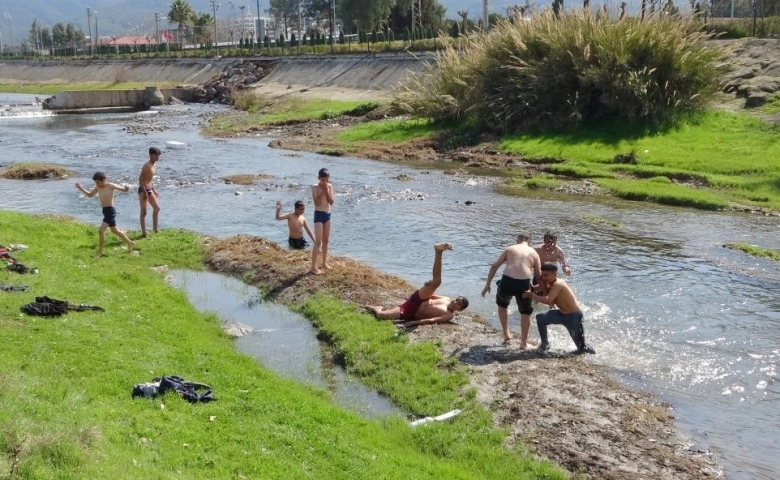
x,y
101,239
427,290
142,200
382,314
325,240
316,249
503,316
155,203
525,324
119,233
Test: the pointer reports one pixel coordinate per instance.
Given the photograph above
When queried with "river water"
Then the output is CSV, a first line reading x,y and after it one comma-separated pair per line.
x,y
666,306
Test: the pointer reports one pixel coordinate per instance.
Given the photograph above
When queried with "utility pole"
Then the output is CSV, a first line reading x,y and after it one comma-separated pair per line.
x,y
485,16
1,41
156,27
300,19
214,6
11,32
257,24
89,29
97,37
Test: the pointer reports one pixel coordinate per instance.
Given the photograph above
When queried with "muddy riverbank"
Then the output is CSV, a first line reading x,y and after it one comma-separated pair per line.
x,y
562,406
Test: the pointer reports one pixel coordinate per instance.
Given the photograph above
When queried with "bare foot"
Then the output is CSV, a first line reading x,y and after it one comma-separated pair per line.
x,y
327,267
507,341
523,346
315,271
144,235
98,254
374,309
130,246
440,247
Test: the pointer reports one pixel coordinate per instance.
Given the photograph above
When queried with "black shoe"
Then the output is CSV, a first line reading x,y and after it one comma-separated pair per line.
x,y
586,349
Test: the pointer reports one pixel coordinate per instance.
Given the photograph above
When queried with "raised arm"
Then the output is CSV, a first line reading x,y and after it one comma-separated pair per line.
x,y
279,215
89,193
329,195
114,186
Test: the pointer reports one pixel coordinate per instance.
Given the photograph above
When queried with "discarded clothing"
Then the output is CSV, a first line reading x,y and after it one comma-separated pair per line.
x,y
185,389
13,288
19,268
51,307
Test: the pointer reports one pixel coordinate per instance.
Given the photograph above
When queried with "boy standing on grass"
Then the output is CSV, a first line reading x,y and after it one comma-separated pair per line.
x,y
322,194
296,223
105,191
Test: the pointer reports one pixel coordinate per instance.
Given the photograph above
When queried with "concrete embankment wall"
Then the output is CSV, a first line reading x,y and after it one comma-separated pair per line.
x,y
382,72
185,71
113,99
350,71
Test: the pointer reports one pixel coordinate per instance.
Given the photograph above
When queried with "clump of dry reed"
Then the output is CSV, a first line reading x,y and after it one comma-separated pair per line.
x,y
555,71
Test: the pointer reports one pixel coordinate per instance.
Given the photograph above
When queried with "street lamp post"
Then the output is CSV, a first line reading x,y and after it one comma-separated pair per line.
x,y
215,6
10,31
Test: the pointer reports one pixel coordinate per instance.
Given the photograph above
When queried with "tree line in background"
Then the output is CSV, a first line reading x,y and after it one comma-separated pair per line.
x,y
316,22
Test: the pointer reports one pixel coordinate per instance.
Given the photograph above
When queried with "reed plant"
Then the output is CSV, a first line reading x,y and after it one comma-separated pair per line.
x,y
556,71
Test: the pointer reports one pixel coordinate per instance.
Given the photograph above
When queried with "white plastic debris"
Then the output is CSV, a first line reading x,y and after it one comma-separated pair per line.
x,y
445,416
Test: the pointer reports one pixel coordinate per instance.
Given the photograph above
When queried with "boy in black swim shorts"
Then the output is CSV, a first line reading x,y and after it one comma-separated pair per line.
x,y
296,223
105,191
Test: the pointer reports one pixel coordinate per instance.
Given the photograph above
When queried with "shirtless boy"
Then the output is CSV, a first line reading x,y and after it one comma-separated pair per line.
x,y
296,223
568,313
423,307
550,252
522,262
146,191
322,194
105,192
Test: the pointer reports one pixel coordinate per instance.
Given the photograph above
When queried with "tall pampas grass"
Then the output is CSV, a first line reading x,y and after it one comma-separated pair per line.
x,y
555,71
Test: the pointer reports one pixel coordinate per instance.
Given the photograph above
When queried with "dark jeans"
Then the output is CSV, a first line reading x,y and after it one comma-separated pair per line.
x,y
572,322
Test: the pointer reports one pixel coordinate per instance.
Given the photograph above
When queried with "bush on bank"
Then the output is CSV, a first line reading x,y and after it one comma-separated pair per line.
x,y
556,71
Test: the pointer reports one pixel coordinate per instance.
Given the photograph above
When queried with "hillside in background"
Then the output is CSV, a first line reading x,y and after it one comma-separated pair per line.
x,y
122,17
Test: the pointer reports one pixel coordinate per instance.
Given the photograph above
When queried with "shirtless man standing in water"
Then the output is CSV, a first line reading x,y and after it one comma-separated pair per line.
x,y
522,262
146,191
423,307
549,251
568,313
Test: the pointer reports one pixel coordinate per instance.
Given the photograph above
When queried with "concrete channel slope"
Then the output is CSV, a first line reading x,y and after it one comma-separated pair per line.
x,y
373,71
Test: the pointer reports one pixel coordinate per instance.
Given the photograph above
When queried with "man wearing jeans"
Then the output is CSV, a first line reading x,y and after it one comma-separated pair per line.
x,y
558,293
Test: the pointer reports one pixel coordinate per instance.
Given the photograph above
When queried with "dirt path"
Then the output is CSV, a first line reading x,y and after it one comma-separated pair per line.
x,y
562,406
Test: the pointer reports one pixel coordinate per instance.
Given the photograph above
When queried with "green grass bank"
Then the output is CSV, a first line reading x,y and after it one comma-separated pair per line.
x,y
66,381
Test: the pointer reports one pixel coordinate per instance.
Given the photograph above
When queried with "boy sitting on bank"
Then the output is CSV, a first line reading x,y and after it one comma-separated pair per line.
x,y
296,223
105,191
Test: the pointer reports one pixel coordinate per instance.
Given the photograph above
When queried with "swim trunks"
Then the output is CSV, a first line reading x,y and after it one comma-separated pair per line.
x,y
297,243
141,189
509,287
409,307
321,217
109,216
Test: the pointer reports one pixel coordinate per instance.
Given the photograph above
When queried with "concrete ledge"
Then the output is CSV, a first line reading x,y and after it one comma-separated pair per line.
x,y
124,100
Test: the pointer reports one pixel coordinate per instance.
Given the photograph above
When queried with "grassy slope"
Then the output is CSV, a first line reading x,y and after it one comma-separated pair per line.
x,y
65,389
732,155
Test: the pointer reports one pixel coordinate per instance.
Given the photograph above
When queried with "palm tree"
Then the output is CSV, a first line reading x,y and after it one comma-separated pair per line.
x,y
181,13
202,32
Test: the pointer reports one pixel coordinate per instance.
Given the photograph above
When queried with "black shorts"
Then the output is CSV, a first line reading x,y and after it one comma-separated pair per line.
x,y
297,243
109,216
509,287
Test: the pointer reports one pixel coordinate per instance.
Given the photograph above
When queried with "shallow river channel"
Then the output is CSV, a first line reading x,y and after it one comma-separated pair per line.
x,y
666,306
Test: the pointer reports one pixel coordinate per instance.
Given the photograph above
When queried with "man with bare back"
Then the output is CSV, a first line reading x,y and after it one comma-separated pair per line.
x,y
147,192
522,263
423,307
569,314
